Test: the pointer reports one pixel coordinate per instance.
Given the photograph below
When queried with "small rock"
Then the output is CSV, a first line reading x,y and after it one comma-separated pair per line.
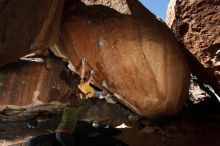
x,y
148,129
95,124
122,126
110,99
133,118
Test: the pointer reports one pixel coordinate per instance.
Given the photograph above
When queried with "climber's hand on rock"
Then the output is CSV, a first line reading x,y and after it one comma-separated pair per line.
x,y
92,72
83,60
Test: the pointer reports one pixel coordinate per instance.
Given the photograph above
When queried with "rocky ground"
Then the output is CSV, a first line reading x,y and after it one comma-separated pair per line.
x,y
196,125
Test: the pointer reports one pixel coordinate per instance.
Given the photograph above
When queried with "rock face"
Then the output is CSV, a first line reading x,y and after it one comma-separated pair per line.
x,y
135,55
196,24
120,6
24,83
26,26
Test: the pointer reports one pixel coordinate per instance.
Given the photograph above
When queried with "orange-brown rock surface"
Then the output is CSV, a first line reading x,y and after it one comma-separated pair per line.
x,y
24,83
136,55
196,24
26,26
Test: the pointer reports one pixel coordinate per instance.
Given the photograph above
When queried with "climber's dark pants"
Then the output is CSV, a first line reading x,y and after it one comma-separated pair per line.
x,y
65,138
46,139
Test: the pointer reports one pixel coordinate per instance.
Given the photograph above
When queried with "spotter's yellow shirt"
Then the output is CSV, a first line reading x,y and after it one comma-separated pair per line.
x,y
87,89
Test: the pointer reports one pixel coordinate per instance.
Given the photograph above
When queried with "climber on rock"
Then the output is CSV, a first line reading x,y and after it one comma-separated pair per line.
x,y
84,86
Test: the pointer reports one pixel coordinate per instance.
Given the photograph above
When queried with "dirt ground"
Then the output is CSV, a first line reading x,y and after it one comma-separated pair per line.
x,y
197,125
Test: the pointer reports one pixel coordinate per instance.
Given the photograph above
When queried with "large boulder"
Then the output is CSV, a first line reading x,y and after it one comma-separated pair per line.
x,y
196,25
30,83
26,26
135,55
119,5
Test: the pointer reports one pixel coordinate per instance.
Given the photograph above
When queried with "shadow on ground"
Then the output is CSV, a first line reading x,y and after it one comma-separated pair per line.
x,y
85,135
